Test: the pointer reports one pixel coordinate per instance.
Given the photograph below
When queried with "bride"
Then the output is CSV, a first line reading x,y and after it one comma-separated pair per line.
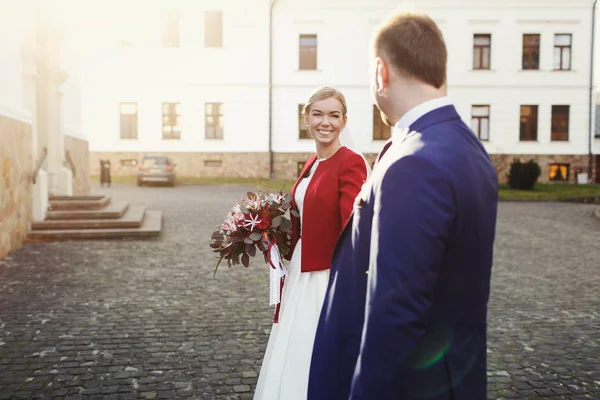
x,y
324,196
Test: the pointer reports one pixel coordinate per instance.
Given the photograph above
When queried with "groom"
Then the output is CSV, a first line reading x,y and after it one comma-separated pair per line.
x,y
405,312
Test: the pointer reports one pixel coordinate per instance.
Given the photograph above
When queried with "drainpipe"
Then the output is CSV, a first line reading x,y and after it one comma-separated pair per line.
x,y
592,103
271,162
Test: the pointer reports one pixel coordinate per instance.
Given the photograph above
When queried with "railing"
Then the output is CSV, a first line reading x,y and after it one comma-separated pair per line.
x,y
70,162
39,164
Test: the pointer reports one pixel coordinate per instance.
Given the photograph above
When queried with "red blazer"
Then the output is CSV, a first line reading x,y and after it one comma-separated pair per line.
x,y
327,205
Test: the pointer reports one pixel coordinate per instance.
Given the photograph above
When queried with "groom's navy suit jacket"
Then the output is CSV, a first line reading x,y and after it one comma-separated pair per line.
x,y
405,312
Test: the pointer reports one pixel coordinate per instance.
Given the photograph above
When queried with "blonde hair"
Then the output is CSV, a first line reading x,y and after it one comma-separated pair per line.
x,y
324,93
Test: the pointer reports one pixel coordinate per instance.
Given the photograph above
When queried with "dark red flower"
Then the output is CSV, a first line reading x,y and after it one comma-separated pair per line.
x,y
263,224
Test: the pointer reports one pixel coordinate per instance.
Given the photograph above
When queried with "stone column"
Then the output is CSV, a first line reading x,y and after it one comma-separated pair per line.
x,y
61,183
30,57
51,78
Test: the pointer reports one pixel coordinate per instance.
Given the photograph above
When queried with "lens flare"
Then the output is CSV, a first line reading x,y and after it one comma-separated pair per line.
x,y
434,351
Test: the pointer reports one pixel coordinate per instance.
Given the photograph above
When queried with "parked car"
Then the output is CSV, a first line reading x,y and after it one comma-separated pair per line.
x,y
156,169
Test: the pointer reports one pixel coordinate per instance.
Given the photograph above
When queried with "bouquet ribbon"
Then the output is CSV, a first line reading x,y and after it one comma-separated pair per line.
x,y
277,274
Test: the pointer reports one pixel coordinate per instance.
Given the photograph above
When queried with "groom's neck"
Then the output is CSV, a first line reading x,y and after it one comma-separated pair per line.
x,y
407,95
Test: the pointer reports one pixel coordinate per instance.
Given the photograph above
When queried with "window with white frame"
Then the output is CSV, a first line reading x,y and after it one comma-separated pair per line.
x,y
303,132
381,131
214,120
562,52
482,51
560,123
171,126
480,121
528,128
171,30
531,51
308,52
213,29
129,119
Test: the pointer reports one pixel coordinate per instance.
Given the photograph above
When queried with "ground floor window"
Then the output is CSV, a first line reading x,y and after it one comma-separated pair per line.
x,y
559,172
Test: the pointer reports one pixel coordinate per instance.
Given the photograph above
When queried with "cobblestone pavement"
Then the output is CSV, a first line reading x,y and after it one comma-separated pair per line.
x,y
147,320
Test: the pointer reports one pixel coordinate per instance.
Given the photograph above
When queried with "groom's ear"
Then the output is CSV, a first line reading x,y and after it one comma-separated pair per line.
x,y
382,73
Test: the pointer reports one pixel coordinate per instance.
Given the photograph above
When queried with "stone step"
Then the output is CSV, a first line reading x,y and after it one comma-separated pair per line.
x,y
62,203
111,211
131,219
151,227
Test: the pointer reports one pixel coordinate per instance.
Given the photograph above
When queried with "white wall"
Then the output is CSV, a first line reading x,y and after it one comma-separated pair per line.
x,y
344,30
504,119
237,74
72,91
245,118
12,95
147,73
17,26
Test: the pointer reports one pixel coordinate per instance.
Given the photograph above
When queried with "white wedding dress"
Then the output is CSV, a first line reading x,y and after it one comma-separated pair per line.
x,y
285,368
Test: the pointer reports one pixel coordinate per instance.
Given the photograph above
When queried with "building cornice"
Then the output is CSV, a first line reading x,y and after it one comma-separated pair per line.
x,y
549,21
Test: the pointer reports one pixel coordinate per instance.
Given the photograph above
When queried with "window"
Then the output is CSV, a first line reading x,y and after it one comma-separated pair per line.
x,y
170,125
213,29
529,121
560,123
559,172
480,121
381,131
171,32
128,120
531,51
308,52
562,52
303,132
481,51
214,120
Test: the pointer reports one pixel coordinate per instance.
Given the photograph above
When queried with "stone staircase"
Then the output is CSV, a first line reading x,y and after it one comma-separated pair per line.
x,y
94,217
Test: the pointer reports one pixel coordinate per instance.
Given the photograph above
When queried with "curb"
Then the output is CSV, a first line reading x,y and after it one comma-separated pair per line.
x,y
580,200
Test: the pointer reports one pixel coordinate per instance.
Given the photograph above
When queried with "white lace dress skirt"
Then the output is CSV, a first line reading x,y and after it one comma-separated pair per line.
x,y
285,368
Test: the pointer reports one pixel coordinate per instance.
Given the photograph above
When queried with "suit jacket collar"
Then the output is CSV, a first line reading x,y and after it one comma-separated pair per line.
x,y
399,135
437,116
424,108
434,117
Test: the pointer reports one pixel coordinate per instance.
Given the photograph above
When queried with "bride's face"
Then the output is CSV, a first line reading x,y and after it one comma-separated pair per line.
x,y
325,120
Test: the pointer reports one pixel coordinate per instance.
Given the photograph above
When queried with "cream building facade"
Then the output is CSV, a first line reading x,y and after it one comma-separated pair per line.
x,y
218,89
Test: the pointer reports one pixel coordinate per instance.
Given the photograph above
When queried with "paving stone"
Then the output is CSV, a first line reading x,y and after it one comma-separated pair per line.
x,y
166,394
241,388
109,389
147,320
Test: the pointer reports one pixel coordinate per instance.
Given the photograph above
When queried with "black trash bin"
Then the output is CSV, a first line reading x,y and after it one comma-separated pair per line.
x,y
105,173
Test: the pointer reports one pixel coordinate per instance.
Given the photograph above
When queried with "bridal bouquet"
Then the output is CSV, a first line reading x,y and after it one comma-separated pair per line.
x,y
257,222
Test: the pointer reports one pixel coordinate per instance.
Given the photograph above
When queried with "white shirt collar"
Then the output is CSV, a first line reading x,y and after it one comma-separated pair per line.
x,y
417,112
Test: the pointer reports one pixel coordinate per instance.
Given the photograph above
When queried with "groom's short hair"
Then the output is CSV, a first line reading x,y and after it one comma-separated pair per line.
x,y
414,45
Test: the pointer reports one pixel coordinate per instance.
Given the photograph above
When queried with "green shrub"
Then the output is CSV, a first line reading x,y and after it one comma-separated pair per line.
x,y
523,176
